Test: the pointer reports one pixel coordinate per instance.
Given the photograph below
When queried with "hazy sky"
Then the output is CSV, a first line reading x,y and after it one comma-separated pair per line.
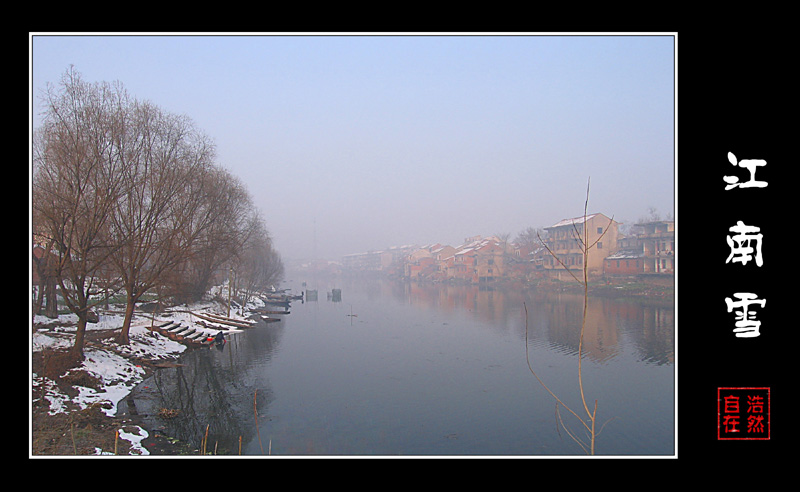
x,y
350,143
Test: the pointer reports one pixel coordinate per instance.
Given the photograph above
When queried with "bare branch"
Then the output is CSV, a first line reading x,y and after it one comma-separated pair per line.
x,y
591,416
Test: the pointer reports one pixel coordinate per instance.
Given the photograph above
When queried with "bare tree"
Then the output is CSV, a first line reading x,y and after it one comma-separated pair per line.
x,y
75,163
45,262
590,422
529,238
223,226
259,265
156,222
128,196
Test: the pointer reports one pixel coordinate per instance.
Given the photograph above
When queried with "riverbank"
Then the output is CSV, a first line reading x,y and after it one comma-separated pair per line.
x,y
633,288
74,405
618,289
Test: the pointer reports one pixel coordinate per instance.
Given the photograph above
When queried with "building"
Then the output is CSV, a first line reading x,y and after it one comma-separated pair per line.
x,y
478,260
565,239
461,266
490,261
624,262
650,252
373,261
439,252
419,262
658,247
390,260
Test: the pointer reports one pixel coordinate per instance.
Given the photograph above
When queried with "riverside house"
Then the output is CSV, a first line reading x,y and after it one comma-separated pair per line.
x,y
478,260
650,252
565,240
658,247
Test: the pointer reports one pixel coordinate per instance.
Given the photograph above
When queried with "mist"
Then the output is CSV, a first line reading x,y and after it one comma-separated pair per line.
x,y
355,143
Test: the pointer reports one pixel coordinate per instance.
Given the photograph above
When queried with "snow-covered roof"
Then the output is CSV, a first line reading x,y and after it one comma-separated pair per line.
x,y
625,254
575,220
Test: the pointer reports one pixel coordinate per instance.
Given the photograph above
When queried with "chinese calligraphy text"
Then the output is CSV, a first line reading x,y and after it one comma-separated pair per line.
x,y
745,246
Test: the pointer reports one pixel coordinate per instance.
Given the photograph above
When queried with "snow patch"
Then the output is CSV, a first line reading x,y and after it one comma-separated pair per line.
x,y
116,374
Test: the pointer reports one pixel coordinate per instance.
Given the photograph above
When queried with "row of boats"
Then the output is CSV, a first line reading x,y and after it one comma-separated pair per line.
x,y
207,329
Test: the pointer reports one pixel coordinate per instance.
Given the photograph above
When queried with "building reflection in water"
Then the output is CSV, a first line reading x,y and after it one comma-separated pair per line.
x,y
648,324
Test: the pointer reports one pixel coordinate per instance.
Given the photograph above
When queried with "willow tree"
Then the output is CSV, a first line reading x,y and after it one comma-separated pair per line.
x,y
165,161
76,161
258,266
223,224
128,195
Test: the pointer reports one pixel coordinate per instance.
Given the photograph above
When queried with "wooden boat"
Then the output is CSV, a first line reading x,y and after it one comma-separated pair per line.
x,y
281,298
277,302
224,320
269,311
213,326
182,334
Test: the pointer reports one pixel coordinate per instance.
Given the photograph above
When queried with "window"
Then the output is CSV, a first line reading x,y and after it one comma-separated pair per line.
x,y
599,230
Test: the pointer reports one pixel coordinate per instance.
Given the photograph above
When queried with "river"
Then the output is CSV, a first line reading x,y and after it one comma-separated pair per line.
x,y
400,369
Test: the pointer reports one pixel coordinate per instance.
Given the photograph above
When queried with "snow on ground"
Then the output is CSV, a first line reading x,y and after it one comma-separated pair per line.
x,y
117,375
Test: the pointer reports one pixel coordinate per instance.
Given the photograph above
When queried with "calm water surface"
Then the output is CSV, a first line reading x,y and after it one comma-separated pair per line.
x,y
399,369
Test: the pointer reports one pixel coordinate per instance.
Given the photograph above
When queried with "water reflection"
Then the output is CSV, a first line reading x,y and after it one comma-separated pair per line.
x,y
205,397
609,323
554,317
422,369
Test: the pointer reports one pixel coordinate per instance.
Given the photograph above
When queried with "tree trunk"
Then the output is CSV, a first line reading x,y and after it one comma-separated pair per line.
x,y
51,301
37,301
80,336
124,336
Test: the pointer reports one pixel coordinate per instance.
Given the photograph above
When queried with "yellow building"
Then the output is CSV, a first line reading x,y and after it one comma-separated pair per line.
x,y
566,240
